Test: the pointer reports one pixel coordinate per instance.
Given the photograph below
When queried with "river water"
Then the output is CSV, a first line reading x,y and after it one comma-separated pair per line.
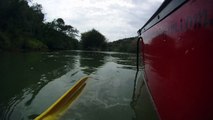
x,y
30,82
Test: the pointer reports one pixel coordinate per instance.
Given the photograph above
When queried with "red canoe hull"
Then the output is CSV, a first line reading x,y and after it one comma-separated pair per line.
x,y
178,58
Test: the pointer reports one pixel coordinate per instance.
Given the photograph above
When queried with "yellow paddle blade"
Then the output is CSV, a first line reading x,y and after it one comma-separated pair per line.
x,y
62,104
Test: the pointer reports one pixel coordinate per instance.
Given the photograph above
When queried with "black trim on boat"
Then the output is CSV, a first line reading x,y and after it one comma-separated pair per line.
x,y
167,7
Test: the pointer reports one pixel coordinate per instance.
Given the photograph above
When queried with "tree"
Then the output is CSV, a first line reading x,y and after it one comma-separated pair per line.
x,y
93,40
123,45
19,23
22,27
59,25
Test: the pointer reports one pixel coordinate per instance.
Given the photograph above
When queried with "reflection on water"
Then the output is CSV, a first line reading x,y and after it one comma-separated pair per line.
x,y
142,102
90,61
30,82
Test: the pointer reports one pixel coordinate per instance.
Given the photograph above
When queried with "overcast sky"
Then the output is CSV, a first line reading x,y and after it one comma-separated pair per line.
x,y
115,19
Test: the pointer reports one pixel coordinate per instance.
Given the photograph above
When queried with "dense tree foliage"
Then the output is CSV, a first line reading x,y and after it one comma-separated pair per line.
x,y
124,45
59,25
93,40
22,27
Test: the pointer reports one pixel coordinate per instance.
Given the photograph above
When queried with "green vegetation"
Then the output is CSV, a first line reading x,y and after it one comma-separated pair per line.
x,y
22,28
93,40
124,45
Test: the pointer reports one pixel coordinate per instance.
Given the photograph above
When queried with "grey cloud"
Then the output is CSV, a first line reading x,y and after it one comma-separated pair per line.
x,y
116,19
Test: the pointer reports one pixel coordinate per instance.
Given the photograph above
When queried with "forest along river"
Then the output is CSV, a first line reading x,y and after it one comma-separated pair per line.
x,y
31,82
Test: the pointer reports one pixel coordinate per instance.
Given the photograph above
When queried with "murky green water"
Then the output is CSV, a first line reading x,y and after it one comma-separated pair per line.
x,y
30,82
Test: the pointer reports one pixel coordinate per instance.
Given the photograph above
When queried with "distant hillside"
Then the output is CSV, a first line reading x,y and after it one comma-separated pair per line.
x,y
123,45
